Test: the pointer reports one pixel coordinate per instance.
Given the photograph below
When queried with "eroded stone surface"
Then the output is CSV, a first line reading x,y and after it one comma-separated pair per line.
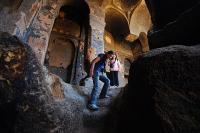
x,y
32,100
163,93
183,31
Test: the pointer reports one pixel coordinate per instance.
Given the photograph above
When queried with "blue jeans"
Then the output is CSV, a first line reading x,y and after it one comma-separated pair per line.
x,y
96,77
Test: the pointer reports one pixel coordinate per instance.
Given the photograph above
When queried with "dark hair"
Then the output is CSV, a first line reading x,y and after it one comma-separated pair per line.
x,y
110,52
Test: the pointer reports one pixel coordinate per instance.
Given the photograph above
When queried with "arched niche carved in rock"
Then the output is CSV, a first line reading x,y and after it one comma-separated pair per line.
x,y
69,36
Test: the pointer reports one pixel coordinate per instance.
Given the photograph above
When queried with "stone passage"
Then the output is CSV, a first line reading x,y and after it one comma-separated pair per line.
x,y
34,101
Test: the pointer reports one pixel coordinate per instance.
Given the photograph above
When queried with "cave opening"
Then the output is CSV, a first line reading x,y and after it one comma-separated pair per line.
x,y
116,30
68,37
127,24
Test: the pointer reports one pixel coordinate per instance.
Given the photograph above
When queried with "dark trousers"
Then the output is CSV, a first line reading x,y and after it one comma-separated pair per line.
x,y
114,78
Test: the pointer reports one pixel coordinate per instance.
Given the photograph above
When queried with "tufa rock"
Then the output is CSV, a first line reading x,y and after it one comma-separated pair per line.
x,y
163,93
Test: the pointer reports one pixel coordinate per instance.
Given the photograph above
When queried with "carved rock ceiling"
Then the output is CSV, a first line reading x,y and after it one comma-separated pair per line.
x,y
126,5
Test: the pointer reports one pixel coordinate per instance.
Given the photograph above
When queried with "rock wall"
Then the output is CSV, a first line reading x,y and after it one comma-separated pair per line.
x,y
163,92
16,18
140,20
165,12
24,86
30,100
40,29
97,23
31,22
180,25
34,101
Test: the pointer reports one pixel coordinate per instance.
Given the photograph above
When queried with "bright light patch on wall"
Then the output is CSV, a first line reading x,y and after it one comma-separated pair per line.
x,y
131,37
140,19
108,39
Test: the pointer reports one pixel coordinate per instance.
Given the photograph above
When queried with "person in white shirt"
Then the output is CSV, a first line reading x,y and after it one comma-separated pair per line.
x,y
114,70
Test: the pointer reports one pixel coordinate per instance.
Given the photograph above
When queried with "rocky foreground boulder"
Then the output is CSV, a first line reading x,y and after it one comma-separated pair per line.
x,y
25,102
163,93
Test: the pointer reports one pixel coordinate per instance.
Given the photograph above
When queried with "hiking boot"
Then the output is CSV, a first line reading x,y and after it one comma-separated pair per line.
x,y
93,107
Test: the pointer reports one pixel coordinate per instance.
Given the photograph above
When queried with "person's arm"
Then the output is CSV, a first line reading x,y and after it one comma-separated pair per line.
x,y
92,65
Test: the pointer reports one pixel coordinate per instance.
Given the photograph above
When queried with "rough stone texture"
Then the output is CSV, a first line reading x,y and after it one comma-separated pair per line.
x,y
109,41
39,31
182,30
140,45
55,86
164,12
163,93
15,19
136,48
144,42
26,86
32,22
97,27
61,53
60,57
140,20
74,116
12,5
91,54
127,65
116,23
66,26
126,5
34,101
12,59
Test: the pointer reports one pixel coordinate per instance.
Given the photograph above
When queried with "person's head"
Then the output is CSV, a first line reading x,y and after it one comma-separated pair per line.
x,y
114,56
109,54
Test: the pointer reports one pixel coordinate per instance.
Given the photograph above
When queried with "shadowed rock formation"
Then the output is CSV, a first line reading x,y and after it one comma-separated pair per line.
x,y
24,97
163,93
164,12
174,25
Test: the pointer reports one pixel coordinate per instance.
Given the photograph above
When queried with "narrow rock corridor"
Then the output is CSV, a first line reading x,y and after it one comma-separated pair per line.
x,y
47,48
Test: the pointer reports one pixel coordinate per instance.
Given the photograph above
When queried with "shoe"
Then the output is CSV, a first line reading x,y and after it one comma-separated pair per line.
x,y
102,97
93,107
111,87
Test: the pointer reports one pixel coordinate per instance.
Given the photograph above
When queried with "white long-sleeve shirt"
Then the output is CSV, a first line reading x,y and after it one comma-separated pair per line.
x,y
116,65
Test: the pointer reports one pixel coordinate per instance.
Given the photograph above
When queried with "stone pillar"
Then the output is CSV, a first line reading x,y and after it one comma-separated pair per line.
x,y
78,72
97,23
39,31
144,42
18,16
